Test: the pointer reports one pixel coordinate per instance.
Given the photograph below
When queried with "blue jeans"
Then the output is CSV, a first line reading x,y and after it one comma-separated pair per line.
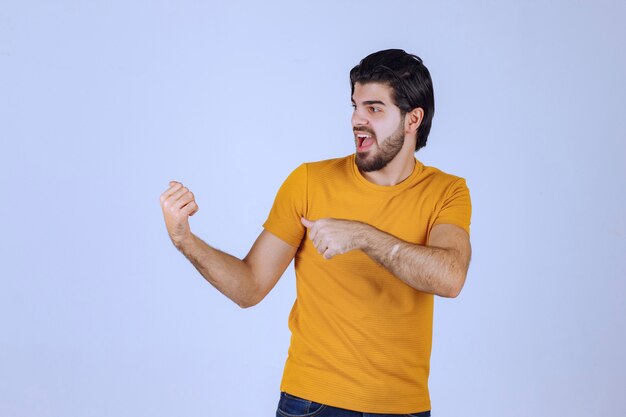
x,y
292,406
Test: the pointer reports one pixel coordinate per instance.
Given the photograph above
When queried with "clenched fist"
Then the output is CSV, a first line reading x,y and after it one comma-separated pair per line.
x,y
178,203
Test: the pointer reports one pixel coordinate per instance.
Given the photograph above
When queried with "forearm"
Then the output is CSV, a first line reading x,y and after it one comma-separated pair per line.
x,y
230,275
426,268
437,269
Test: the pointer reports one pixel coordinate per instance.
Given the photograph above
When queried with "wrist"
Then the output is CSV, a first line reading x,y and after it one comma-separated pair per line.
x,y
185,243
364,237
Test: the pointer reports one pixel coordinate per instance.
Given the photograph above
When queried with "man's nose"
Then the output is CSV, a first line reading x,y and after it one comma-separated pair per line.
x,y
358,120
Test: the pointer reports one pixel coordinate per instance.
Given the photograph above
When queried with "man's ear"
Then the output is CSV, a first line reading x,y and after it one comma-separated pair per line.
x,y
413,120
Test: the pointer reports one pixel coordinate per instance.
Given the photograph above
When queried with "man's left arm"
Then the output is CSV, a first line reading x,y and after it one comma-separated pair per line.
x,y
438,268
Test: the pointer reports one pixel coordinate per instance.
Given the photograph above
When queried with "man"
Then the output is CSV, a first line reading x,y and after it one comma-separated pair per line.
x,y
385,234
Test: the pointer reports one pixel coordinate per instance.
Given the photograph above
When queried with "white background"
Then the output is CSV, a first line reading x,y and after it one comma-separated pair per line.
x,y
102,103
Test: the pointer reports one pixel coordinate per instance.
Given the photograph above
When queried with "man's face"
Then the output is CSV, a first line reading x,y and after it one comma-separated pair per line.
x,y
378,126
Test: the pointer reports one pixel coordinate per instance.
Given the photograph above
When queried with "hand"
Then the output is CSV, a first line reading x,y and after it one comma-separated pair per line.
x,y
178,203
334,236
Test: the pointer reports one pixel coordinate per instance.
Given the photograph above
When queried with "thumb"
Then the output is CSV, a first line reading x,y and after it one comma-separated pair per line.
x,y
306,223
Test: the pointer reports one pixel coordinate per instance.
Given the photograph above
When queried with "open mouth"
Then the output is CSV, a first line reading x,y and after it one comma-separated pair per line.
x,y
364,141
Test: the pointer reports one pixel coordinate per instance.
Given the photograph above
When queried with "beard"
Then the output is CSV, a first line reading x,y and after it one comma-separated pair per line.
x,y
390,148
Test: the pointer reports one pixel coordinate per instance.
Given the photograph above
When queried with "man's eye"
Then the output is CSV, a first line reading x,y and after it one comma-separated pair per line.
x,y
354,106
375,109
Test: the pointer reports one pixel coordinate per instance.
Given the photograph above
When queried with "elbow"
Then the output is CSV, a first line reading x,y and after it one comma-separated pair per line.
x,y
245,305
250,300
250,295
453,293
448,293
248,303
454,288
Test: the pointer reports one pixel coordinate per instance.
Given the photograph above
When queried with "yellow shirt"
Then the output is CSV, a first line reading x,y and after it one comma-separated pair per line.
x,y
361,338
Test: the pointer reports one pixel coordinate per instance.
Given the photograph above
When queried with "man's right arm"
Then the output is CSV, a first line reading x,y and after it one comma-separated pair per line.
x,y
247,281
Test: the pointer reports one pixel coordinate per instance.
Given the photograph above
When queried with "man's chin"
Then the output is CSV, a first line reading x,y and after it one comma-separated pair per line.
x,y
361,157
366,164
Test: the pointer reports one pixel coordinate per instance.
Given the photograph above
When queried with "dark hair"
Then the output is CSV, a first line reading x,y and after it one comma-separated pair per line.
x,y
409,79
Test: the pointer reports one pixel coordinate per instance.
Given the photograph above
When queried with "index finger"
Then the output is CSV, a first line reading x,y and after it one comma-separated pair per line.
x,y
176,185
313,231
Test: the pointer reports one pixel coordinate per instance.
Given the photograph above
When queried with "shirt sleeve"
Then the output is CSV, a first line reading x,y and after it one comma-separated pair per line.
x,y
457,207
289,207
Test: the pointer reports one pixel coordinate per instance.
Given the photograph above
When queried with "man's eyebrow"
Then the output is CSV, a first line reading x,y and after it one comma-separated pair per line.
x,y
370,102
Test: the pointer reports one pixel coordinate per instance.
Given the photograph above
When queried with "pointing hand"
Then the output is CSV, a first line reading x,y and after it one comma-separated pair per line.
x,y
335,236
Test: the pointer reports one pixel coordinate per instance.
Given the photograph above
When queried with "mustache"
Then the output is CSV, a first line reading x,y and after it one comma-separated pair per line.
x,y
364,130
